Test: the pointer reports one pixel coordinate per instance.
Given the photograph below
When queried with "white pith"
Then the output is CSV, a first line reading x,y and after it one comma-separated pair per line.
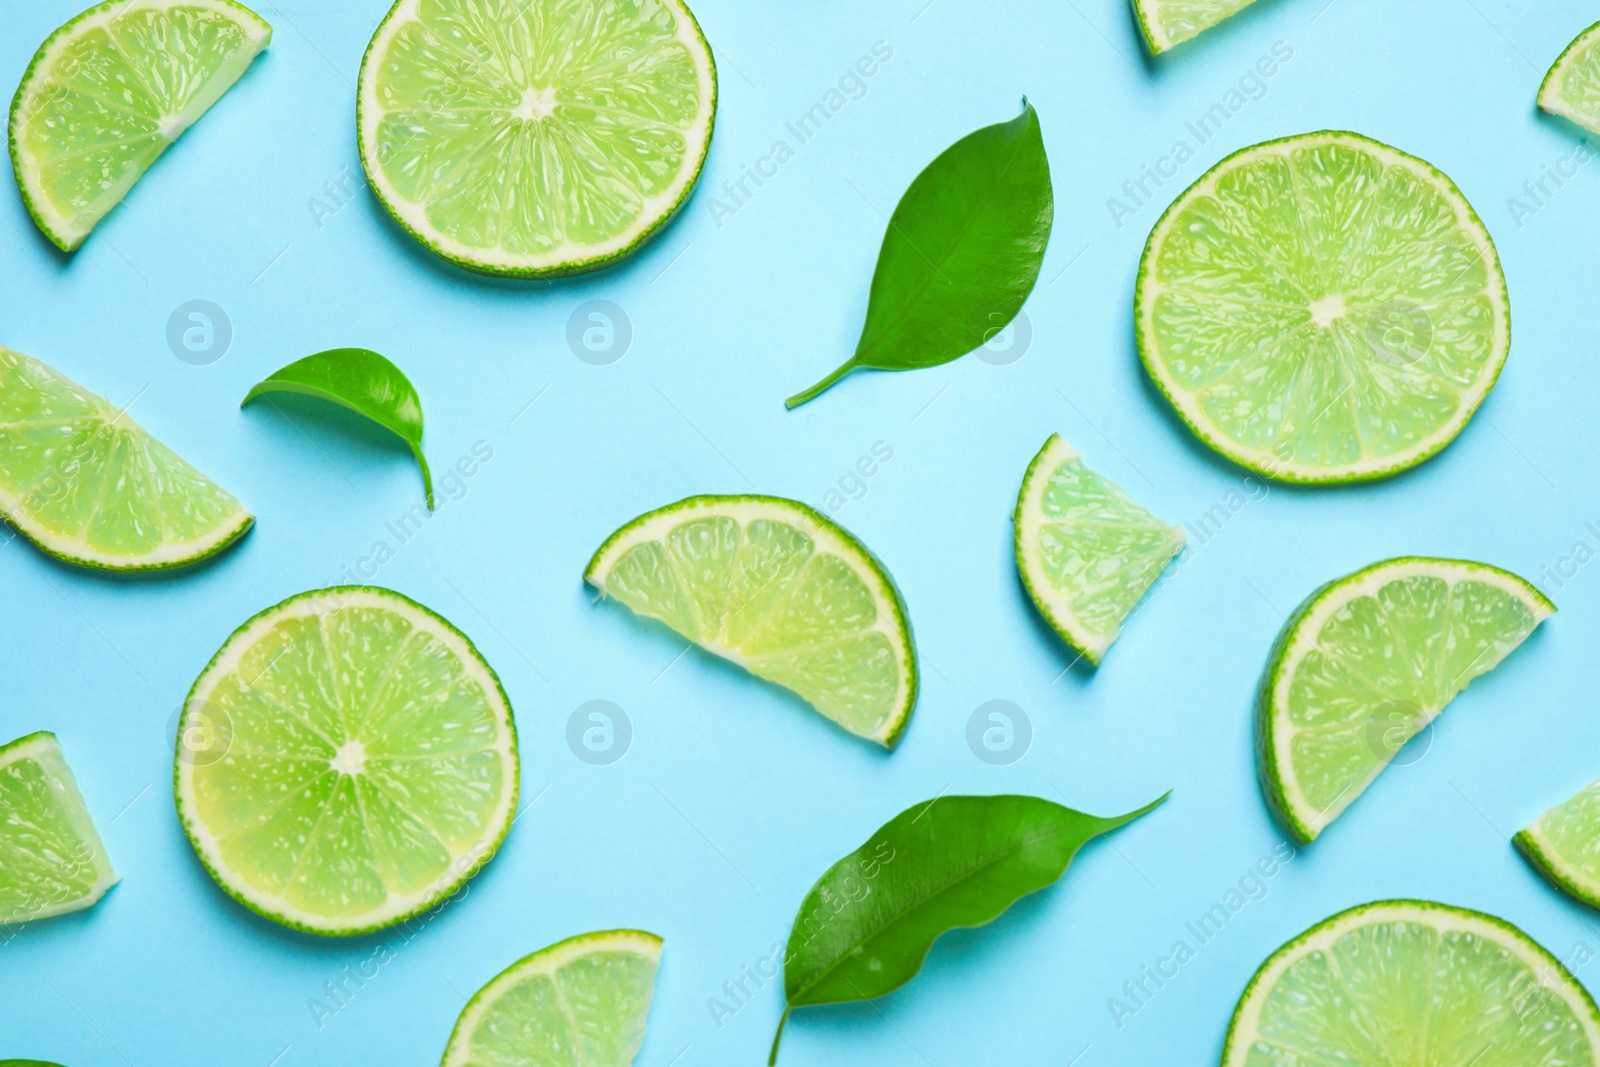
x,y
44,749
1550,97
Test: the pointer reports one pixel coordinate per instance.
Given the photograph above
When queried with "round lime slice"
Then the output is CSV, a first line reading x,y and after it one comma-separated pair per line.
x,y
1571,87
778,589
1564,844
1413,982
1166,23
87,484
346,760
581,1002
1086,553
1368,661
51,858
1322,308
535,139
109,91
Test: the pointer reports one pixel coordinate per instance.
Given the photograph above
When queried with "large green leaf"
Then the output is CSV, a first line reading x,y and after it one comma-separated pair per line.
x,y
961,253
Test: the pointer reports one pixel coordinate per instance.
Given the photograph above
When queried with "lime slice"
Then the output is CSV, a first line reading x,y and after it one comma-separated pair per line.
x,y
109,91
1564,844
778,589
1413,982
51,857
1086,553
1165,23
88,485
1571,87
1323,308
1368,661
345,761
535,139
581,1002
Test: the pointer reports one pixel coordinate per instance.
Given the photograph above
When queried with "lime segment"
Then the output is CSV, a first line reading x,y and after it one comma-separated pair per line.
x,y
1166,23
1564,844
778,589
1571,88
51,858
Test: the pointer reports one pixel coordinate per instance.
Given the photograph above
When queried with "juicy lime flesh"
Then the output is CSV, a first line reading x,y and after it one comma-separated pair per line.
x,y
359,761
1569,837
1176,21
1322,304
762,594
1573,88
1411,992
529,126
51,857
121,90
81,474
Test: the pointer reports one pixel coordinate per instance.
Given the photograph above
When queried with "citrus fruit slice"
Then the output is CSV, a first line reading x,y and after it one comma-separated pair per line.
x,y
1165,23
346,760
1413,982
1571,87
1366,662
1086,553
51,857
778,589
109,91
87,484
535,139
1564,844
581,1002
1322,308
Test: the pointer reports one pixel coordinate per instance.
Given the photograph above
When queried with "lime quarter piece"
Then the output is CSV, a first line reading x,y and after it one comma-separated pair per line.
x,y
84,482
345,761
535,139
109,91
1571,88
1368,661
581,1002
1564,844
1413,982
362,381
1322,309
51,858
1086,553
782,591
1165,23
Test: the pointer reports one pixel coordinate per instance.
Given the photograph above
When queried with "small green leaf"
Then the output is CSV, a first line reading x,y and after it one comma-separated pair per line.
x,y
961,253
866,926
364,382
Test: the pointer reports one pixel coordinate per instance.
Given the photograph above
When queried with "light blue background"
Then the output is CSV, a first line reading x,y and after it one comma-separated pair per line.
x,y
733,798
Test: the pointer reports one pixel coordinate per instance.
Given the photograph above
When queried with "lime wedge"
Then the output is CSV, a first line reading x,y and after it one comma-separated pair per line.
x,y
51,857
581,1002
1564,844
1368,661
778,589
1323,308
109,91
1413,982
1571,87
87,484
1165,23
535,139
1086,553
345,761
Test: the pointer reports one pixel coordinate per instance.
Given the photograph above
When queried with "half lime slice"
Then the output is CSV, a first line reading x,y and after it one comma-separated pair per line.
x,y
109,91
51,858
1564,844
1413,982
581,1002
1166,23
1086,552
1322,308
1571,87
346,760
535,139
1368,661
778,589
87,484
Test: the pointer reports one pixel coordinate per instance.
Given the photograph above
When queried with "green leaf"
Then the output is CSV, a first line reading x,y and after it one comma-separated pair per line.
x,y
866,926
364,382
961,253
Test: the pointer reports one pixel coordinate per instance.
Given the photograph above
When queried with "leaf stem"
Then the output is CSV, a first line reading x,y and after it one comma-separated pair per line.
x,y
821,387
772,1060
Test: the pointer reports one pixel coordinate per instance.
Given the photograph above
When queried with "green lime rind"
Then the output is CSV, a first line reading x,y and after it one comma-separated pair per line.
x,y
840,543
444,887
545,963
50,831
1548,974
1575,874
411,217
1299,816
1193,17
1577,103
68,233
1264,461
